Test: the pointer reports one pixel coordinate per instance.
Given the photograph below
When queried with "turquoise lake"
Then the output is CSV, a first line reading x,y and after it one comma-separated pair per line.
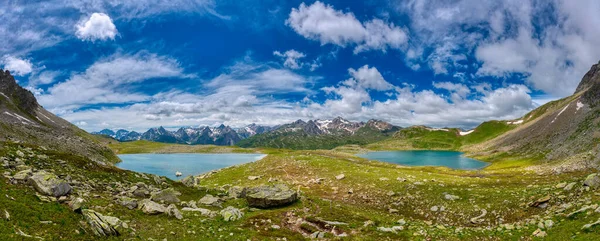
x,y
187,164
451,159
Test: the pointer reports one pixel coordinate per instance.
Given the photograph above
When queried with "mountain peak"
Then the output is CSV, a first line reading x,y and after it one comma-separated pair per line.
x,y
9,88
591,78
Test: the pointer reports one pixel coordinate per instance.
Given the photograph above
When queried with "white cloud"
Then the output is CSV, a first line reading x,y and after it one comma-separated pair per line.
x,y
17,66
291,58
107,81
330,26
550,44
98,27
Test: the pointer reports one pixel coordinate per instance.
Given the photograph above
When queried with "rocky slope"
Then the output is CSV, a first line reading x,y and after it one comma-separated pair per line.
x,y
23,120
321,134
566,129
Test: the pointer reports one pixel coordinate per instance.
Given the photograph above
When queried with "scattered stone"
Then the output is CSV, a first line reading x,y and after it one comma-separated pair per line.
x,y
76,204
202,211
274,226
6,215
401,179
539,233
592,180
128,202
570,186
548,223
152,208
540,202
583,209
561,185
318,235
588,226
478,219
434,209
401,222
393,210
22,176
237,192
231,214
190,181
451,197
390,193
102,225
157,179
393,229
210,200
384,179
340,177
252,178
270,196
49,184
21,233
368,223
168,195
172,211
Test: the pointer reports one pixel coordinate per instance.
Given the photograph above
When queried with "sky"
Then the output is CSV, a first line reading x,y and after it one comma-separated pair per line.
x,y
441,63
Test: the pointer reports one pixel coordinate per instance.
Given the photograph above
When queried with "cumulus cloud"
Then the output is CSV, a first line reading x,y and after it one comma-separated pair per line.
x,y
17,66
99,26
330,26
550,44
291,58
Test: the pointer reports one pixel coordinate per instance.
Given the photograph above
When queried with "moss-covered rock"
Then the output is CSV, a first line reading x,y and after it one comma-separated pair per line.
x,y
271,196
49,184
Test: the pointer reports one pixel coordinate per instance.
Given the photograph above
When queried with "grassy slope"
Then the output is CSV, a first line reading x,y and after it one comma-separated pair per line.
x,y
300,140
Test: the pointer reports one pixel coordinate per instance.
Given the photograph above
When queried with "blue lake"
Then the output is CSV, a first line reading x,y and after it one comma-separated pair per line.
x,y
451,159
187,164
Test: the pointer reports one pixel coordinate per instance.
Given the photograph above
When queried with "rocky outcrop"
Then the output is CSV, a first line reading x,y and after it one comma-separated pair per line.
x,y
231,214
270,196
172,211
49,184
103,225
149,207
167,196
210,200
592,180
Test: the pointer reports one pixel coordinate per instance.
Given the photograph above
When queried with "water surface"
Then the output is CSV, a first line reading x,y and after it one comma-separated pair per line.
x,y
451,159
187,164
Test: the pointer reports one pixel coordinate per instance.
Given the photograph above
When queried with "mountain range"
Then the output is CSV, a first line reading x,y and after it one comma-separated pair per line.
x,y
224,135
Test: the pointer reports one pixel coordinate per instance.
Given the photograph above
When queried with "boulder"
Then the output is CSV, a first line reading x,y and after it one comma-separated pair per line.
x,y
172,211
102,225
128,202
22,176
168,195
237,192
592,180
210,200
76,204
340,177
190,181
270,196
231,214
49,184
149,207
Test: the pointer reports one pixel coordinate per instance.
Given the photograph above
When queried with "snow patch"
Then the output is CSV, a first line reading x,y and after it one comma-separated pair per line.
x,y
563,110
23,120
464,133
40,113
5,96
579,105
515,122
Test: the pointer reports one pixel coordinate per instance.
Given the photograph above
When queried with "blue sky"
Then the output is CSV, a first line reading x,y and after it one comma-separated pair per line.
x,y
141,64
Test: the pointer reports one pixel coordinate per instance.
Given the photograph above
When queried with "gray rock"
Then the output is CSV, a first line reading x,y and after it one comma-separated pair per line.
x,y
570,186
340,177
190,181
451,197
210,200
393,229
172,211
23,176
237,192
202,211
49,184
168,195
318,235
592,180
102,225
76,204
588,226
128,202
231,214
270,196
149,207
